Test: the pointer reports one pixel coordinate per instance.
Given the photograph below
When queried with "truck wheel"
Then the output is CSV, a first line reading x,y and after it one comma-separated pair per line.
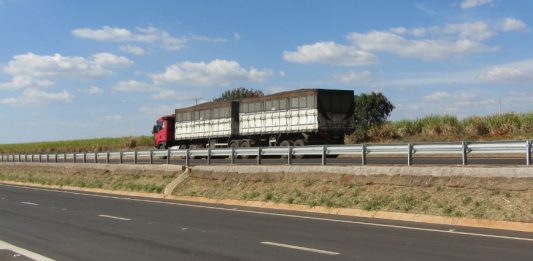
x,y
299,142
234,145
245,144
284,143
194,147
161,147
182,147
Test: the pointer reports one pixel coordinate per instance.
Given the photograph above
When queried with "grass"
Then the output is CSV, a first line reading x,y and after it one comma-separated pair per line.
x,y
140,181
449,128
87,145
499,199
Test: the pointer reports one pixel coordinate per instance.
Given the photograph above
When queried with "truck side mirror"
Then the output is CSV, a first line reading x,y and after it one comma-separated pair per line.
x,y
154,130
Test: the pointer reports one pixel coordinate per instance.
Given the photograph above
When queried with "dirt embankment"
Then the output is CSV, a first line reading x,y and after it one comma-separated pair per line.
x,y
496,198
101,177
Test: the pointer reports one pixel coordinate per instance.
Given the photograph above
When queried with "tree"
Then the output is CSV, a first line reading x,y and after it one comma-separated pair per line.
x,y
370,110
238,93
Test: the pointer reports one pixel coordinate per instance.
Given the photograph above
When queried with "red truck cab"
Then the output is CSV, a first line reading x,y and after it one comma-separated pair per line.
x,y
163,132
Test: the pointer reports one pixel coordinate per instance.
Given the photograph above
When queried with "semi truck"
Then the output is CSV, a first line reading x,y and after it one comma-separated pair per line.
x,y
293,118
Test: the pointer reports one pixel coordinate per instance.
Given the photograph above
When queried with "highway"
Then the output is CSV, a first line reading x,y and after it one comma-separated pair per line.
x,y
64,225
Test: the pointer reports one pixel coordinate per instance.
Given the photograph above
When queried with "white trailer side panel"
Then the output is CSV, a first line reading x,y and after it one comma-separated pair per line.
x,y
279,121
203,129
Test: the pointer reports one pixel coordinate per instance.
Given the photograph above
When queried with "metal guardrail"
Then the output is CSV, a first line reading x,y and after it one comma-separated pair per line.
x,y
463,149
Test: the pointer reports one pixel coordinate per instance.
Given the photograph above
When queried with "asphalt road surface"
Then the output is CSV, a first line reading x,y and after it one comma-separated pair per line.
x,y
83,226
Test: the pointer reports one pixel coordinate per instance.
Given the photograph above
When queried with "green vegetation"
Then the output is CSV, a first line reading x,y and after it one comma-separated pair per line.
x,y
489,198
370,110
88,145
449,128
124,180
239,93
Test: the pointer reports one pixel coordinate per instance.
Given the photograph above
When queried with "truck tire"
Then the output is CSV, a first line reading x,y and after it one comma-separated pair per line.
x,y
284,143
245,144
298,143
233,144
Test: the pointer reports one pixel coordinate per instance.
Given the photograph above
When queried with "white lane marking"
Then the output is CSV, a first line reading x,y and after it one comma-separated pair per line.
x,y
24,252
278,214
29,203
301,248
113,217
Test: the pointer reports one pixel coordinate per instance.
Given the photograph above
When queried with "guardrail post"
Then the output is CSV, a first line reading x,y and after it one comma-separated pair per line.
x,y
64,157
121,157
289,155
32,157
40,158
47,158
208,156
324,150
187,157
232,156
409,154
74,156
168,156
107,157
84,157
135,157
363,155
55,157
151,157
465,152
528,153
26,157
95,157
259,152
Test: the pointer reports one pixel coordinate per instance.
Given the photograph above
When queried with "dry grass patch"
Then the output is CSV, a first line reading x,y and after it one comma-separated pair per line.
x,y
508,199
130,180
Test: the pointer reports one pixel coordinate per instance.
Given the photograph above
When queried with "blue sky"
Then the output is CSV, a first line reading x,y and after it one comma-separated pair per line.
x,y
83,69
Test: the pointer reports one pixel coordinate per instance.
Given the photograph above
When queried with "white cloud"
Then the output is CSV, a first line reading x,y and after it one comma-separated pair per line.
x,y
353,77
133,49
34,65
510,73
426,49
507,75
38,97
216,72
132,85
110,59
147,35
428,43
32,70
107,33
94,90
237,36
165,94
467,4
512,24
330,53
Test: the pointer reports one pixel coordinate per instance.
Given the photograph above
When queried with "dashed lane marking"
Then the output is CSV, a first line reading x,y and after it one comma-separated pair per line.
x,y
301,248
114,217
29,203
